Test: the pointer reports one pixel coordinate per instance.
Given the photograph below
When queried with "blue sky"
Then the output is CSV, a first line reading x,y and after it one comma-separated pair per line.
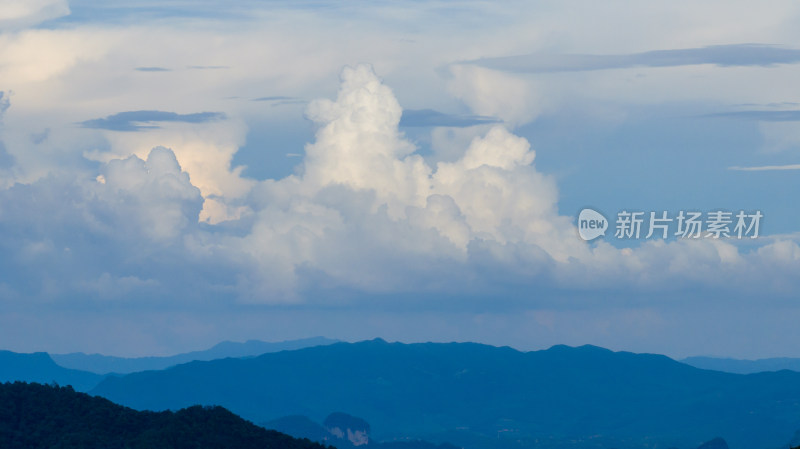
x,y
173,174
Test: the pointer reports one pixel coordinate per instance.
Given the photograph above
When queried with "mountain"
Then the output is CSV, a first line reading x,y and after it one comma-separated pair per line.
x,y
340,430
477,396
348,428
738,366
300,426
103,364
716,443
39,367
343,431
34,416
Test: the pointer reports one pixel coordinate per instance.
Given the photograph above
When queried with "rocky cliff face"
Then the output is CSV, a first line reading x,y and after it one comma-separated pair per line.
x,y
346,427
355,437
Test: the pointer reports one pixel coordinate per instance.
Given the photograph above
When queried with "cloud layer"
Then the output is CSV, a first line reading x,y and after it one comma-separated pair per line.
x,y
366,215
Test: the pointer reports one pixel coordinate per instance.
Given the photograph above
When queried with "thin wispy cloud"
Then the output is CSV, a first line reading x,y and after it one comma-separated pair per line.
x,y
767,167
280,100
721,55
274,98
207,67
763,116
429,117
152,69
142,120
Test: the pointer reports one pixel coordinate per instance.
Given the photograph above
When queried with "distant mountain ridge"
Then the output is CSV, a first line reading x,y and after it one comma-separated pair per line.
x,y
40,367
103,364
738,366
478,396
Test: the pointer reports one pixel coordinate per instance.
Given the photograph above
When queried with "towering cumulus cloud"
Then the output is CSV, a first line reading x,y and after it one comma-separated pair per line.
x,y
492,192
359,145
368,212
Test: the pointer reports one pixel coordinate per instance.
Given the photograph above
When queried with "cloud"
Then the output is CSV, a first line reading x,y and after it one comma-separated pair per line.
x,y
429,117
733,55
123,12
205,151
207,67
152,69
779,135
21,14
6,159
274,98
767,167
761,116
5,103
366,213
63,233
141,120
164,200
279,100
364,218
31,57
491,93
472,235
190,67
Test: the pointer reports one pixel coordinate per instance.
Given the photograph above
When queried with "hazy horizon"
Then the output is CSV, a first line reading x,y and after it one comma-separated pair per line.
x,y
520,348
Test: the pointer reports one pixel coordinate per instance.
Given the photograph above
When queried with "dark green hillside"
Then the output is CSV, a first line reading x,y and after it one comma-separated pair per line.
x,y
36,416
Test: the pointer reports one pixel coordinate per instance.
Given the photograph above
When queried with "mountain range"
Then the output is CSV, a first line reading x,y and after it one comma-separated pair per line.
x,y
739,366
83,372
474,396
478,396
103,364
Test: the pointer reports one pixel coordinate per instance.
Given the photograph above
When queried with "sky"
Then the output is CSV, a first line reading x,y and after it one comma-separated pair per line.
x,y
178,173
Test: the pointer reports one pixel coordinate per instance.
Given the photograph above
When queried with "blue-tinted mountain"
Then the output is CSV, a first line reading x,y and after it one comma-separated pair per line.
x,y
35,416
477,396
300,426
39,367
716,443
103,364
342,431
739,366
